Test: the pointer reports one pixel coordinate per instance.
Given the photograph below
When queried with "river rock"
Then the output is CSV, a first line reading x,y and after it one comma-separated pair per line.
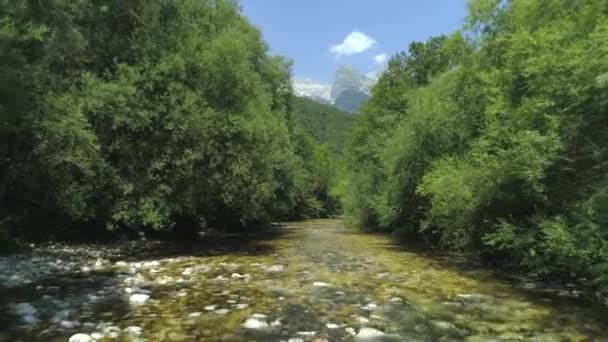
x,y
221,312
320,284
133,330
275,268
69,324
332,326
80,338
276,324
371,334
195,314
24,309
242,306
254,323
139,298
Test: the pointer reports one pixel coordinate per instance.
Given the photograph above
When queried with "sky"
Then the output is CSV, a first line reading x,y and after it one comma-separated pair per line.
x,y
320,35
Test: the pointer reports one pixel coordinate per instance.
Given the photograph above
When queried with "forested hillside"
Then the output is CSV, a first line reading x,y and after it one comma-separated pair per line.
x,y
131,115
495,143
325,123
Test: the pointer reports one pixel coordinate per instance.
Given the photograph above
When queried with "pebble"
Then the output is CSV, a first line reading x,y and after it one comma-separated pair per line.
x,y
221,312
69,324
371,334
275,268
306,333
361,319
195,314
276,323
139,298
80,338
370,307
242,306
320,284
332,326
97,335
133,330
210,307
254,323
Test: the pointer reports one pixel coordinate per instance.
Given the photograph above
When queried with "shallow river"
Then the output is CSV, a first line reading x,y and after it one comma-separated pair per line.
x,y
309,281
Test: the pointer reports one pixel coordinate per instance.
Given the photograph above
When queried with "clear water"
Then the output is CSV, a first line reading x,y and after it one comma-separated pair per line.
x,y
326,280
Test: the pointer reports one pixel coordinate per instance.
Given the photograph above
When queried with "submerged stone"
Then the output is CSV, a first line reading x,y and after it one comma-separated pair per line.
x,y
139,298
371,334
80,338
254,323
133,330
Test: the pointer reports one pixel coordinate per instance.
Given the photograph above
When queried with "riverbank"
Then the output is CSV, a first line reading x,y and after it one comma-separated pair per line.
x,y
313,280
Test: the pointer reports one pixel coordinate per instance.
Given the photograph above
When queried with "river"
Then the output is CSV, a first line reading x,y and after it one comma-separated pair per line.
x,y
306,281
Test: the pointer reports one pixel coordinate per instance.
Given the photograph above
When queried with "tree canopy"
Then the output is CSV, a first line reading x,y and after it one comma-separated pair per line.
x,y
493,140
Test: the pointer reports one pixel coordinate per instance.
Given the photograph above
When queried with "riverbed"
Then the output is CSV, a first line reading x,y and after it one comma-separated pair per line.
x,y
304,281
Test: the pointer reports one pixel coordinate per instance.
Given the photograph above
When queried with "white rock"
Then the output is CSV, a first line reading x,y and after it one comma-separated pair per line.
x,y
139,298
254,323
242,306
396,300
332,326
277,323
221,312
351,331
151,264
210,307
320,284
295,339
369,333
370,306
444,325
86,269
121,264
195,314
128,290
306,333
69,324
133,330
258,315
237,276
361,319
80,338
275,268
97,335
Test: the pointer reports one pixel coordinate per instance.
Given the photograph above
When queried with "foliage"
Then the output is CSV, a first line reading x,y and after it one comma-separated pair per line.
x,y
145,115
324,123
495,143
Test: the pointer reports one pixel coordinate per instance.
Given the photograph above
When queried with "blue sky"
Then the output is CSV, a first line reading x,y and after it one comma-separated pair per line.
x,y
319,35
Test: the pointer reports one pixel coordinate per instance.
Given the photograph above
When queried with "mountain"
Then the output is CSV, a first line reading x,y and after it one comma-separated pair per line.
x,y
313,90
348,92
326,124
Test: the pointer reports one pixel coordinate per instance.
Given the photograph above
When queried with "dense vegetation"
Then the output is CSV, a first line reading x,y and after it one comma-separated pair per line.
x,y
495,143
154,114
324,123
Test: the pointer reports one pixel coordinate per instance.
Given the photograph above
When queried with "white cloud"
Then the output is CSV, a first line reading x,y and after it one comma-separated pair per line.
x,y
381,58
356,42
